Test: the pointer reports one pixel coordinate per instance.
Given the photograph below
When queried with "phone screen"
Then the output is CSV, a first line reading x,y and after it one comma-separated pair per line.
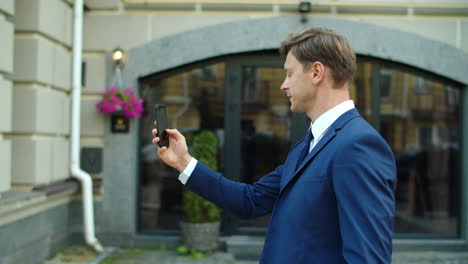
x,y
161,124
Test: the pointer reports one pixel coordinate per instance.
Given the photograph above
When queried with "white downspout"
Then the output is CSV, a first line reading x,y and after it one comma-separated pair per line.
x,y
82,176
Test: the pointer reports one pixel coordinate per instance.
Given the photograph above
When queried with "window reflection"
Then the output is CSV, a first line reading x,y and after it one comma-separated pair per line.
x,y
360,90
421,122
418,115
194,100
266,119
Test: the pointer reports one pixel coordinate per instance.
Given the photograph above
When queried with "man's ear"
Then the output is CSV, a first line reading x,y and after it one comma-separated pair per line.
x,y
317,71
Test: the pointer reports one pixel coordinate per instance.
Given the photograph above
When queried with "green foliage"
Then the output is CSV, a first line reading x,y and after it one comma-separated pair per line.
x,y
197,209
183,250
197,255
205,149
127,255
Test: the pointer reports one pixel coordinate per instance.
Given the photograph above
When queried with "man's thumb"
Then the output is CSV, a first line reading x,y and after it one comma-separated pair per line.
x,y
174,132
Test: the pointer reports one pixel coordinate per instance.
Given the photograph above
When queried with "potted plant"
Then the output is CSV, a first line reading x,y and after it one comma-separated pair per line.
x,y
116,101
201,224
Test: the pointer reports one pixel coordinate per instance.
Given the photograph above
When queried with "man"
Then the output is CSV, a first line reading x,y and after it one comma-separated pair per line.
x,y
332,200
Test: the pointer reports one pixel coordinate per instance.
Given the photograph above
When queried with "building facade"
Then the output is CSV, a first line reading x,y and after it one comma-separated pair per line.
x,y
215,65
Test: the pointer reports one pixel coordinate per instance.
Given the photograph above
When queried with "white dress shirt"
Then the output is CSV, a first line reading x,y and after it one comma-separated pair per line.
x,y
319,127
323,122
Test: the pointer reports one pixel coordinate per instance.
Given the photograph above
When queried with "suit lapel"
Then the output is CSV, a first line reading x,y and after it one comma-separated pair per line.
x,y
317,148
329,135
292,174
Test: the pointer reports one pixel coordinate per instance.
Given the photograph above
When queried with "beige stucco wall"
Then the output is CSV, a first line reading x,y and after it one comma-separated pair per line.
x,y
111,23
41,75
6,67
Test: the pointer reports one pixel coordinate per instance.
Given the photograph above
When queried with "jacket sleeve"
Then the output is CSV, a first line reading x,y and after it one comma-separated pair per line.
x,y
364,179
243,200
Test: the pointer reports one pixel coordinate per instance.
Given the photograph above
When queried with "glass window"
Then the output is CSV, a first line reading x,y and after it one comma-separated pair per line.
x,y
386,83
361,89
418,115
421,123
265,125
421,85
194,100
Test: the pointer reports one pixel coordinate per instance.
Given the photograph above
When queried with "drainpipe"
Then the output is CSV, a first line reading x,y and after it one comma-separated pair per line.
x,y
76,171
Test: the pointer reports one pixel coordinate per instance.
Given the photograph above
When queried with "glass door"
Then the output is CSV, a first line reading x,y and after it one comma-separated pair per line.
x,y
261,125
195,101
239,98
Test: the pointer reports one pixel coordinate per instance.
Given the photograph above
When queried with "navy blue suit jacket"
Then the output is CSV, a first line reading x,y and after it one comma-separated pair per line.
x,y
337,207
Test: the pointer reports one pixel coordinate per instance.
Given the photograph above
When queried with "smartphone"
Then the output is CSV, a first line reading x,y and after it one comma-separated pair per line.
x,y
161,124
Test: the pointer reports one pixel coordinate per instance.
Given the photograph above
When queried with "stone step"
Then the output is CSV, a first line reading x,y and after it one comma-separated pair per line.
x,y
250,248
244,247
430,257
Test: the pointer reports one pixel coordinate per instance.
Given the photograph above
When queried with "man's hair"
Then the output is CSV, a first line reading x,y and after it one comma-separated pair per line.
x,y
324,45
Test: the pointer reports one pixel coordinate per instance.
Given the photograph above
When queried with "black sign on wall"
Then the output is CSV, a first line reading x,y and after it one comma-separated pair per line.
x,y
119,124
91,159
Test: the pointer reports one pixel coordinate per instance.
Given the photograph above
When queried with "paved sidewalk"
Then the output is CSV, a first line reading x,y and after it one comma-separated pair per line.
x,y
171,257
153,256
84,255
430,257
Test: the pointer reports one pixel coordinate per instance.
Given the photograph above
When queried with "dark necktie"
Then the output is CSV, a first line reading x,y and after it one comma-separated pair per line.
x,y
305,148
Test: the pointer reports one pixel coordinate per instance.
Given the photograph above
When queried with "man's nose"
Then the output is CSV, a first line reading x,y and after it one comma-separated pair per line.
x,y
284,86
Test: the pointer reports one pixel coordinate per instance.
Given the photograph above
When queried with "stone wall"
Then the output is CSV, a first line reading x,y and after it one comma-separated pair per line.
x,y
35,86
41,92
6,68
31,239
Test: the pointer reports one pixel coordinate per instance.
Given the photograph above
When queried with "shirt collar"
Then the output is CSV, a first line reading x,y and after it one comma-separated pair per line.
x,y
328,118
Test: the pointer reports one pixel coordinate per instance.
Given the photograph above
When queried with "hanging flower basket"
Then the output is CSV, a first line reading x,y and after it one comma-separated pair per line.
x,y
127,102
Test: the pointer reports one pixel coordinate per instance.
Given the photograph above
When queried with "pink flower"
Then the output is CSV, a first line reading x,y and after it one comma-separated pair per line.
x,y
112,89
127,101
128,90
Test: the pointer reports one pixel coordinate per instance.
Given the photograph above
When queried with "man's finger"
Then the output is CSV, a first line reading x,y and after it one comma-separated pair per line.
x,y
161,150
155,141
175,133
154,132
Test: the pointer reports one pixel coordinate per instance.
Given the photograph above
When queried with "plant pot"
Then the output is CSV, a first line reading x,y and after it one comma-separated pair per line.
x,y
200,236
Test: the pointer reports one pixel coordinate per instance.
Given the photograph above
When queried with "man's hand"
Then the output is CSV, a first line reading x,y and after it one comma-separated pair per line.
x,y
176,155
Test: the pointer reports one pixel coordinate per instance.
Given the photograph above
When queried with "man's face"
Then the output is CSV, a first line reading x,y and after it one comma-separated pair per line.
x,y
298,84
